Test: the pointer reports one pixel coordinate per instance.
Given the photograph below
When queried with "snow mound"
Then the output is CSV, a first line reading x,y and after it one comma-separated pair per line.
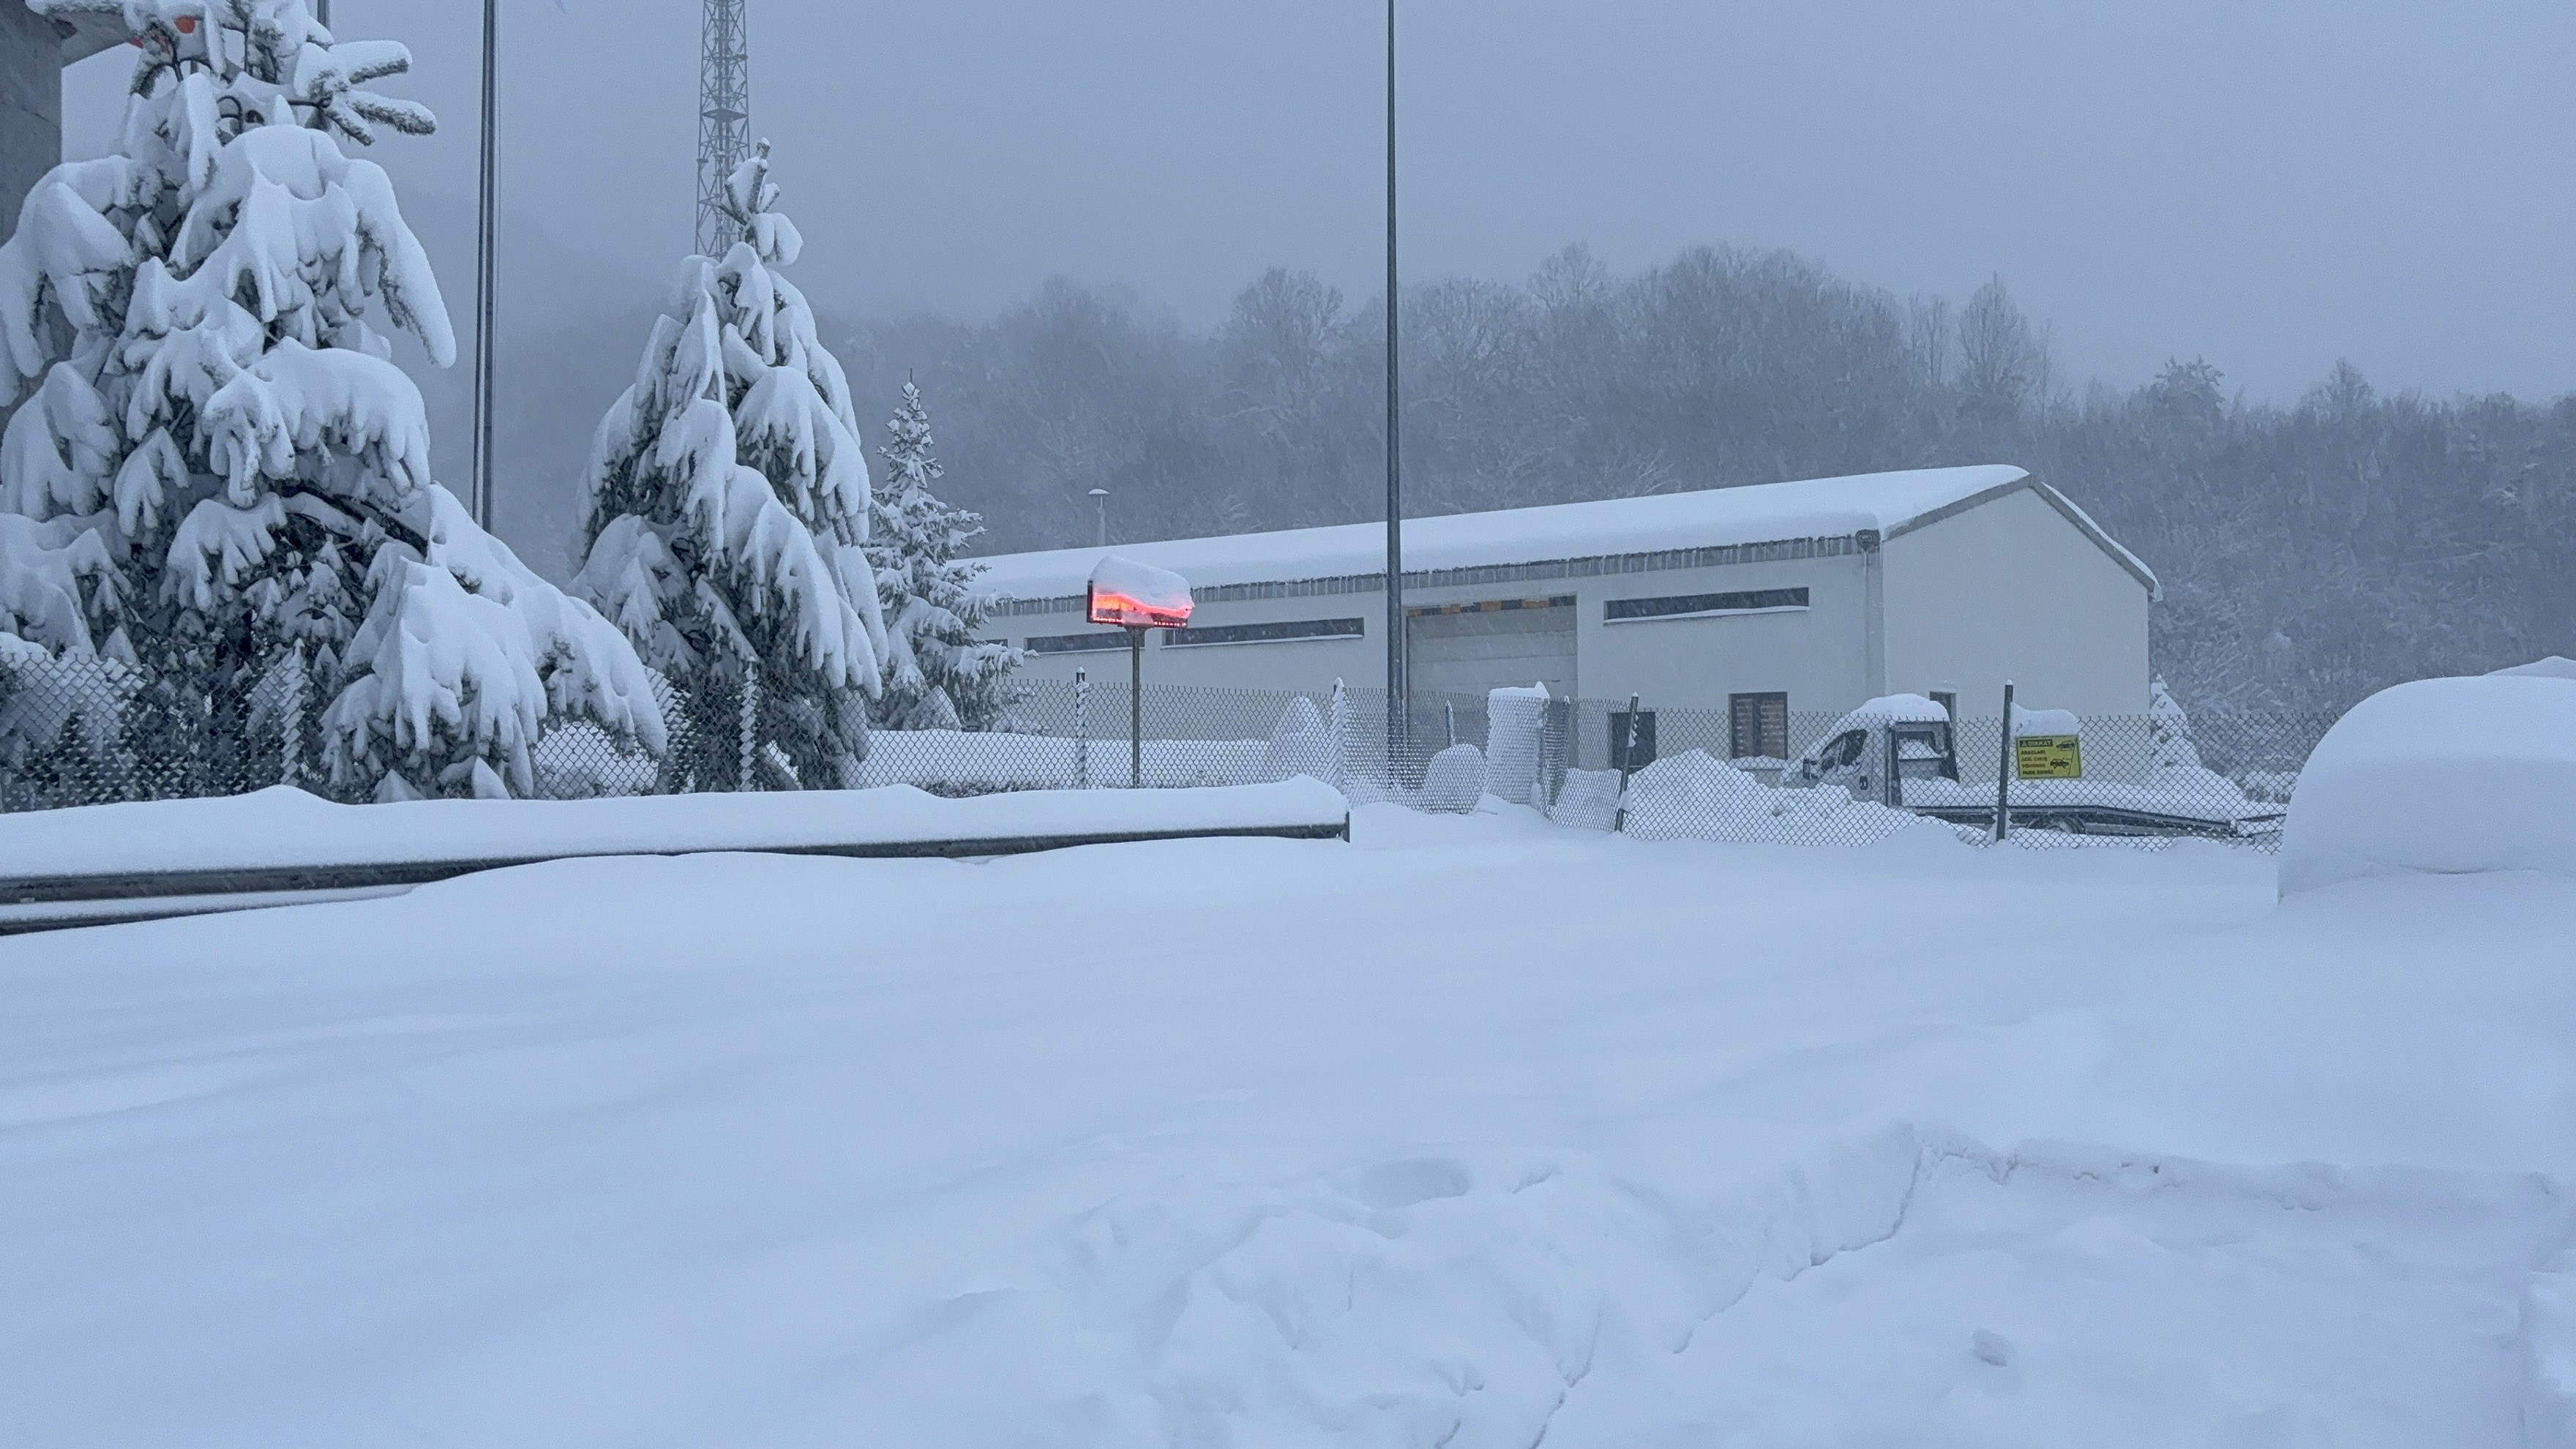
x,y
2556,666
1588,798
1502,1296
1447,1297
2440,776
1455,780
1675,792
2030,722
2548,1343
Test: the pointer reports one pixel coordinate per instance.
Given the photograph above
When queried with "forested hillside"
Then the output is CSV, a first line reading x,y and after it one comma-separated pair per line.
x,y
2310,552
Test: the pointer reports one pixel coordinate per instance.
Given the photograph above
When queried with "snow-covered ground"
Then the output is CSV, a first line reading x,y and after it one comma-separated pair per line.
x,y
1470,1129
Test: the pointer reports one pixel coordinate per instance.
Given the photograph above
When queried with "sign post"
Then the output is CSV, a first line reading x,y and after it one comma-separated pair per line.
x,y
2003,772
1137,597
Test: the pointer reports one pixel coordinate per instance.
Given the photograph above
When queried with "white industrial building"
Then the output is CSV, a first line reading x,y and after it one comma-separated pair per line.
x,y
1759,601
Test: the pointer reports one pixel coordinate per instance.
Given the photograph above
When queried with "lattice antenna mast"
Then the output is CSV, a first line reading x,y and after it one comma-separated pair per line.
x,y
724,115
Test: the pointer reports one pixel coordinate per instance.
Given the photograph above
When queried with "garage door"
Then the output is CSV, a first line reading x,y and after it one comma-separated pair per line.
x,y
1471,648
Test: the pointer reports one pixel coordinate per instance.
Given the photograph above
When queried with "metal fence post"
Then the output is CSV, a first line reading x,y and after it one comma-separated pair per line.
x,y
749,743
1449,714
1082,729
290,764
1627,758
2003,772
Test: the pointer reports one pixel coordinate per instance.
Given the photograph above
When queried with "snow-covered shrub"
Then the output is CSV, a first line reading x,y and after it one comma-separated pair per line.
x,y
2170,729
1300,745
209,408
1455,780
724,514
938,675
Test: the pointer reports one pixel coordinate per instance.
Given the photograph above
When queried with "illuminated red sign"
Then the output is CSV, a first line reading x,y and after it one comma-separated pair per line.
x,y
1136,595
1109,607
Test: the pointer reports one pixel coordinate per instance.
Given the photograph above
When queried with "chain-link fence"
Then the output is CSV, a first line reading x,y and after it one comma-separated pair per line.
x,y
70,735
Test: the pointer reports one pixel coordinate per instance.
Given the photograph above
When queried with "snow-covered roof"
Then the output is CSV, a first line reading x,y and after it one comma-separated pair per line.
x,y
1890,503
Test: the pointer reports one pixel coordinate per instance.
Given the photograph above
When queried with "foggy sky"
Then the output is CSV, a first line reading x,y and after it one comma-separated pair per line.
x,y
2273,185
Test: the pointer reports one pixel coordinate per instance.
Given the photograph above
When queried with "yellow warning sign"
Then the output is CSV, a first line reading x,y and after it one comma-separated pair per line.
x,y
2049,757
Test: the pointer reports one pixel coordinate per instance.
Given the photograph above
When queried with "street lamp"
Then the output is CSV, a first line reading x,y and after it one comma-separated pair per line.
x,y
484,275
1100,500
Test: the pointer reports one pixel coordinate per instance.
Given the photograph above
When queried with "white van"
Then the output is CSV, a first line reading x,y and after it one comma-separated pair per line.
x,y
1870,750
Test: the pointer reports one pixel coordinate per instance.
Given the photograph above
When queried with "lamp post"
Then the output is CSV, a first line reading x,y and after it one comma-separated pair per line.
x,y
1100,501
484,275
1397,722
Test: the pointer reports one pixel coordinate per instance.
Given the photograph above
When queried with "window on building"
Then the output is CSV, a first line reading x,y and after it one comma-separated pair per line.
x,y
1280,633
1758,726
1093,643
1697,606
1627,752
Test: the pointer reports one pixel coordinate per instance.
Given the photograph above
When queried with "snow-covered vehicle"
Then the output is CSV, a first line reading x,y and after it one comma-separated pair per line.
x,y
1896,738
1900,751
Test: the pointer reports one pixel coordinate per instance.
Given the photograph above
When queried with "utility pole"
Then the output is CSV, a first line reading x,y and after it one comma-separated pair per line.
x,y
724,114
486,275
1397,720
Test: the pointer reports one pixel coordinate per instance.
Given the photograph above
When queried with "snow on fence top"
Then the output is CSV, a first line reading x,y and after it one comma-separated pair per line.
x,y
1708,518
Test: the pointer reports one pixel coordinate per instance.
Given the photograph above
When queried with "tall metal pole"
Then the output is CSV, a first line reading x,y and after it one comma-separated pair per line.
x,y
485,272
1397,723
724,116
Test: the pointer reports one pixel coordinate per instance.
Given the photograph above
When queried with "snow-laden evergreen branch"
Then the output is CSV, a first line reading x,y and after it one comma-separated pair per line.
x,y
218,474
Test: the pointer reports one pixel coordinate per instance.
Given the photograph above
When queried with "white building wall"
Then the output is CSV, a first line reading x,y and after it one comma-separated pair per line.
x,y
1815,656
2013,589
1303,665
2007,589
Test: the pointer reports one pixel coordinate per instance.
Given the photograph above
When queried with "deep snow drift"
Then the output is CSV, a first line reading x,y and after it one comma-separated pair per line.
x,y
1469,1130
2441,776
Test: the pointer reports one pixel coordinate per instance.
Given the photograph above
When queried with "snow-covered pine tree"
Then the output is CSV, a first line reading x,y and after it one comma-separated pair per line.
x,y
2170,729
213,411
725,517
938,674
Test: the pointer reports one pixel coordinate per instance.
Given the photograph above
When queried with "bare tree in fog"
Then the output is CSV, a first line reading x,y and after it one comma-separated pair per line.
x,y
2310,553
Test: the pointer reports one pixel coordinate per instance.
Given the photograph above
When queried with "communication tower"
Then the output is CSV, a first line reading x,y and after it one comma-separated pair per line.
x,y
724,113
